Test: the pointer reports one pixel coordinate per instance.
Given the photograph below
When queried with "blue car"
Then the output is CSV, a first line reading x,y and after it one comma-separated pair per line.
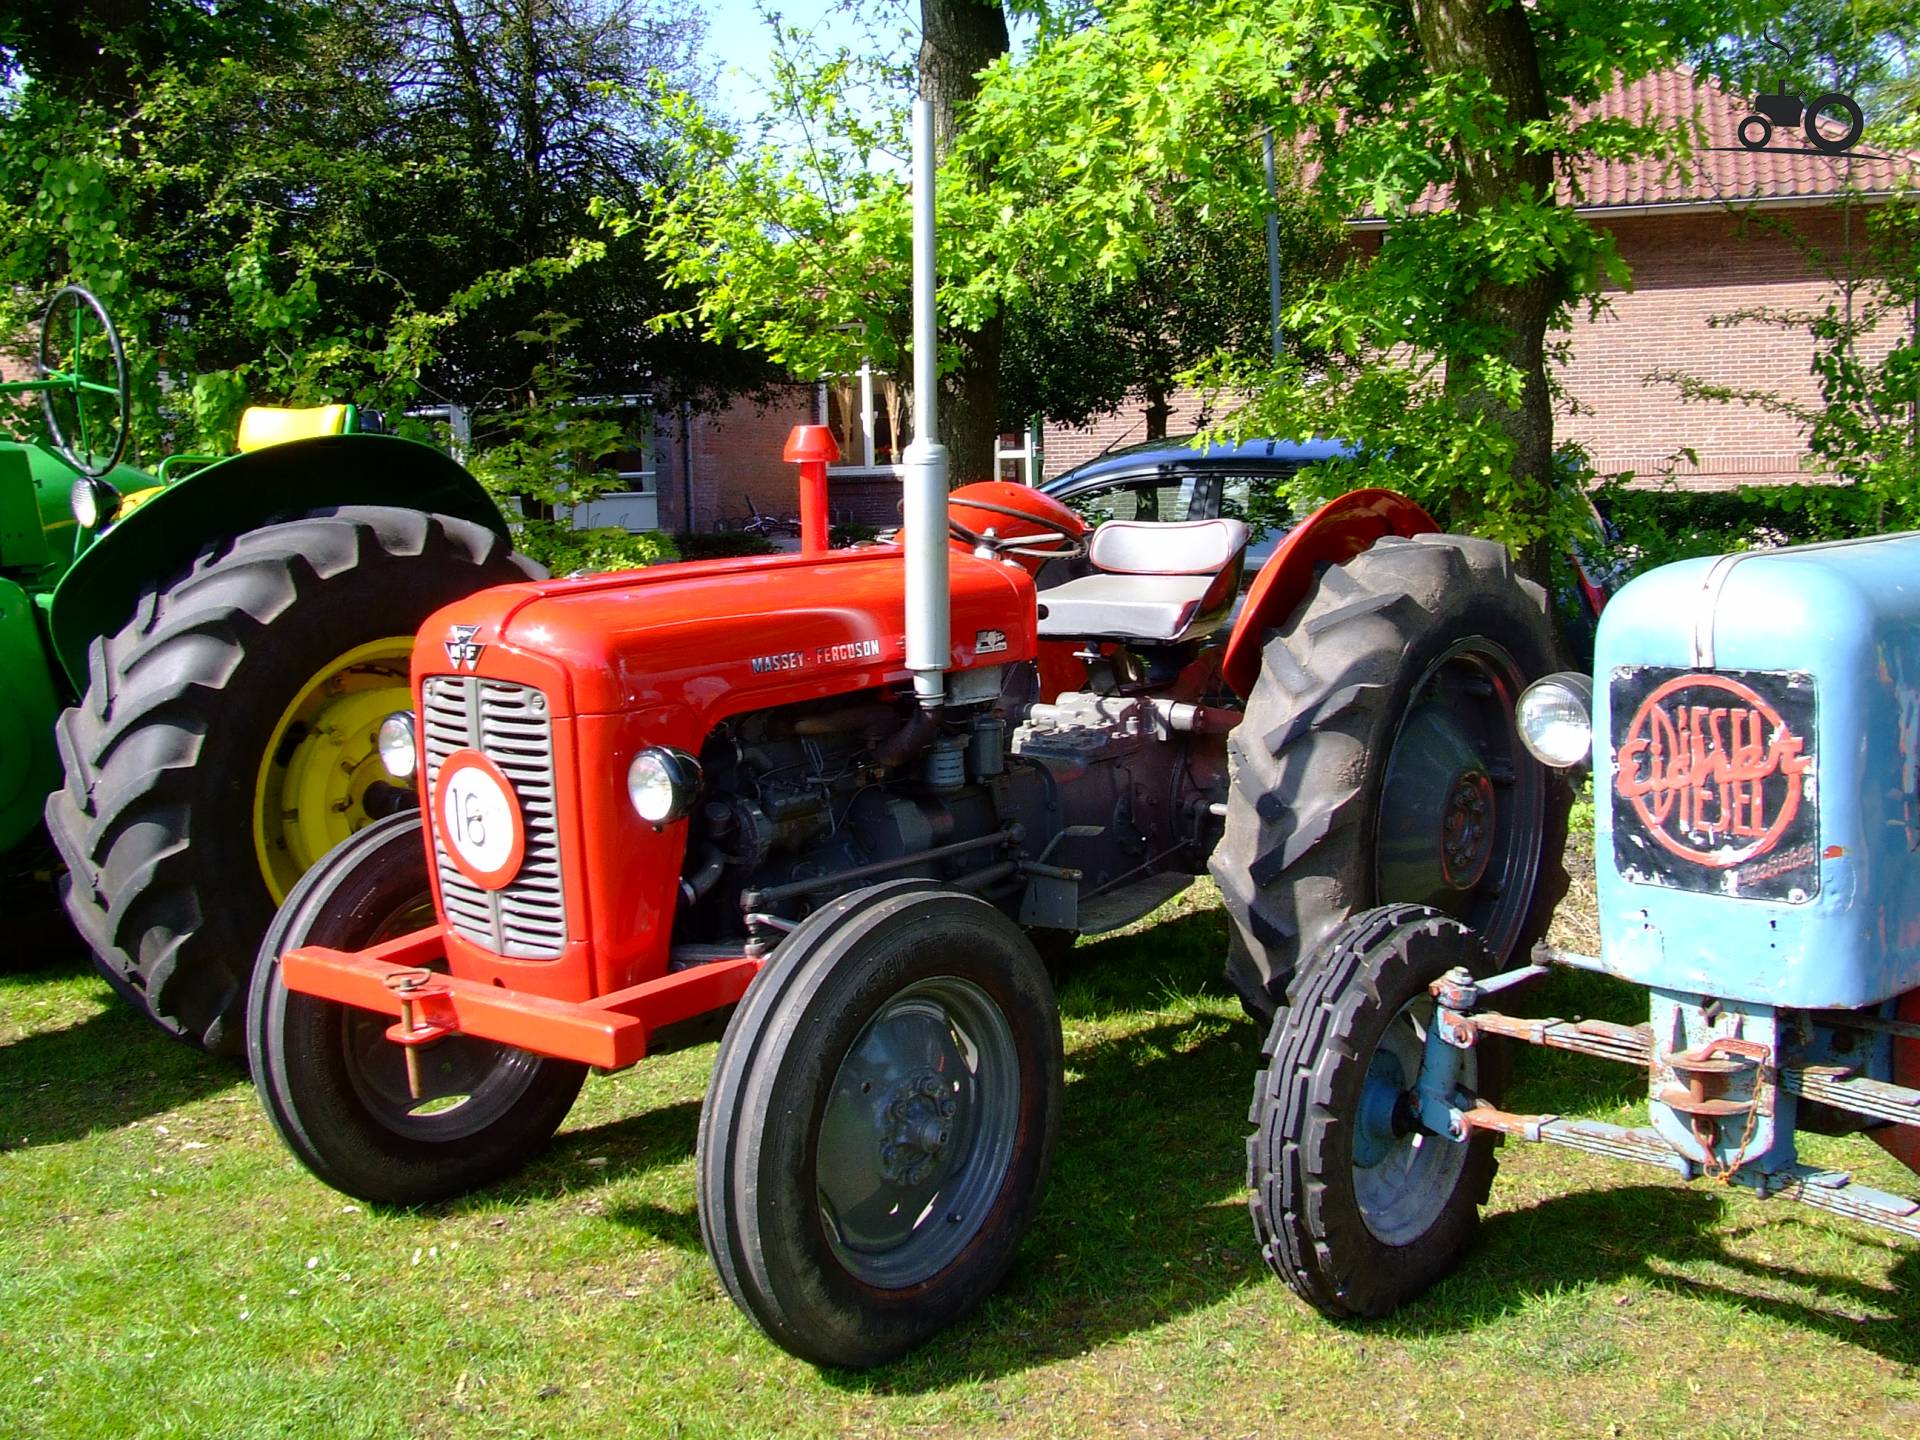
x,y
1170,480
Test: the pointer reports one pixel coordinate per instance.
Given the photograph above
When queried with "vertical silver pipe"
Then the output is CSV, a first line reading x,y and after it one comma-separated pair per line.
x,y
1273,240
929,626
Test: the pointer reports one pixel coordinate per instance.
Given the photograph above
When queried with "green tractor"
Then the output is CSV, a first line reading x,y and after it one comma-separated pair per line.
x,y
199,658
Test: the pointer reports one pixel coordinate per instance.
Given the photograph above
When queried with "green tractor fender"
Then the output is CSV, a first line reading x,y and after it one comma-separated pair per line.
x,y
161,536
31,766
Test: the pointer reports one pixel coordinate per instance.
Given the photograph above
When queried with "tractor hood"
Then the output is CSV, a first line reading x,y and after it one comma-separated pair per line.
x,y
706,635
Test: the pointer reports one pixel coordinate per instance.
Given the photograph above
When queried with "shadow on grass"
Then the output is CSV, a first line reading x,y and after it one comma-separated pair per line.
x,y
104,1072
1633,1231
647,1141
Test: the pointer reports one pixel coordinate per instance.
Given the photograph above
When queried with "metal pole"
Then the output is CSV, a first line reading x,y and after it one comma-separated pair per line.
x,y
1273,240
929,626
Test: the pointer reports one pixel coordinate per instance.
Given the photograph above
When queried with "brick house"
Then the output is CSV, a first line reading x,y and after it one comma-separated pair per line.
x,y
1727,229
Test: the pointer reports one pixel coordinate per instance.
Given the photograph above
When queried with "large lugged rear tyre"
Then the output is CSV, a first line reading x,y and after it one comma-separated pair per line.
x,y
336,1088
1378,761
880,1122
175,820
1354,1206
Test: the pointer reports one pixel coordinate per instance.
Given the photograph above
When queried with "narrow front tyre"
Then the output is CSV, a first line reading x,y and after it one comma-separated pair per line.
x,y
1356,1205
337,1089
880,1123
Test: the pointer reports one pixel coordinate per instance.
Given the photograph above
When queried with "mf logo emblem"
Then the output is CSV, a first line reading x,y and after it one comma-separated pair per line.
x,y
463,651
1716,772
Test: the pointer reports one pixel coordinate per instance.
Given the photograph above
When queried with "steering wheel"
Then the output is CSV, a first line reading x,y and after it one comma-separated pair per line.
x,y
78,448
1041,544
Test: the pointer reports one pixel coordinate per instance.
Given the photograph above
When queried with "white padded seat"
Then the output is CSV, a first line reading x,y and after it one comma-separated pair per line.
x,y
1158,583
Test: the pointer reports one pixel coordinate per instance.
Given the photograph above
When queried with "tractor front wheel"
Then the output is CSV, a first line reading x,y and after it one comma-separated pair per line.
x,y
337,1089
880,1122
1355,1205
227,741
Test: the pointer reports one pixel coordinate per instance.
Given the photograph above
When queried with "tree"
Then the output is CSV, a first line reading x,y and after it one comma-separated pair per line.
x,y
296,201
1453,119
797,243
1079,350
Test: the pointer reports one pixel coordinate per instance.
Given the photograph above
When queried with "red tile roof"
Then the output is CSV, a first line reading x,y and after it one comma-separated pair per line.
x,y
1718,168
1710,167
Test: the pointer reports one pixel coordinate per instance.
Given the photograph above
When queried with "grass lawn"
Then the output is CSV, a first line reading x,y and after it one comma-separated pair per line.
x,y
166,1268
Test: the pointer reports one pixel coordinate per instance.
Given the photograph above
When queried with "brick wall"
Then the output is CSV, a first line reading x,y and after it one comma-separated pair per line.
x,y
736,455
1687,270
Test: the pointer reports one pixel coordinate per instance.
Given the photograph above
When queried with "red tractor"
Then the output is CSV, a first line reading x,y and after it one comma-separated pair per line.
x,y
839,803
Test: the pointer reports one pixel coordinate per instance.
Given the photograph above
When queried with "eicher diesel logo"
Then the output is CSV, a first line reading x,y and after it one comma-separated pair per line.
x,y
463,651
1714,781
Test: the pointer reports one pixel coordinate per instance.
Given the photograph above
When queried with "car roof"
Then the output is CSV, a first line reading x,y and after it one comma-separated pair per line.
x,y
1178,454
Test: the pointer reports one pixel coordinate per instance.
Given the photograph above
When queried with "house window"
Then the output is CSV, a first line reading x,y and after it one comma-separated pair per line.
x,y
867,413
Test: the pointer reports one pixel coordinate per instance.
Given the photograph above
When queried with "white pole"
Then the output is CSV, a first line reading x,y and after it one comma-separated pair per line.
x,y
929,626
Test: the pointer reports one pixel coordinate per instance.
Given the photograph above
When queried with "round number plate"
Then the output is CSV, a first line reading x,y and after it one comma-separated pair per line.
x,y
479,819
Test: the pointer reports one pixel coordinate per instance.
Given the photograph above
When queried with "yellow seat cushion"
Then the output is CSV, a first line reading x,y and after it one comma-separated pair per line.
x,y
264,425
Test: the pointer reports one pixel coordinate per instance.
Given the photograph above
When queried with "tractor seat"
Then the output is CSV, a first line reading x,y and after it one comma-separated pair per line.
x,y
1154,583
264,425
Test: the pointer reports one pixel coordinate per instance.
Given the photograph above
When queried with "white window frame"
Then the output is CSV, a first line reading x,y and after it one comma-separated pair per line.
x,y
865,464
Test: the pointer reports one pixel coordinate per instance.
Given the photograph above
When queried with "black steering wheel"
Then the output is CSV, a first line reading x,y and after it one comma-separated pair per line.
x,y
1041,544
78,447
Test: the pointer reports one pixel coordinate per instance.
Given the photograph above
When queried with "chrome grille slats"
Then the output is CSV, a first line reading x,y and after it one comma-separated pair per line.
x,y
509,724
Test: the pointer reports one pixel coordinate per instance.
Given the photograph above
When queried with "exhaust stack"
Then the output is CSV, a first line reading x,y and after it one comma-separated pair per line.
x,y
929,625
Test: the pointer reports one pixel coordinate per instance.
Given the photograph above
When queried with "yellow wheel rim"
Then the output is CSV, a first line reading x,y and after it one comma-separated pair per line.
x,y
322,758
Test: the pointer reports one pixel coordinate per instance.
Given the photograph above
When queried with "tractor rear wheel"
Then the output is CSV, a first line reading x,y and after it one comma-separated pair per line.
x,y
1355,1205
336,1088
227,740
880,1123
1378,761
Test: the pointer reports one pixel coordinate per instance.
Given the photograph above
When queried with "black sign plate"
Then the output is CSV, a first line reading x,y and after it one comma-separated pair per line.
x,y
1715,781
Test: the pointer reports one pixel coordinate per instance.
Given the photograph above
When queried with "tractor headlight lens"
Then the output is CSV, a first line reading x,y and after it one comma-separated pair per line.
x,y
1555,716
398,751
94,502
663,784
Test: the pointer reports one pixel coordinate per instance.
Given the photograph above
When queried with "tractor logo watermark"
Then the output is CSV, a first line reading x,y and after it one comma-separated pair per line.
x,y
1713,770
1832,123
463,651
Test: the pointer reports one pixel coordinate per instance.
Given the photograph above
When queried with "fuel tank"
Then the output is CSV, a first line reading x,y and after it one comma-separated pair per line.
x,y
1757,775
720,636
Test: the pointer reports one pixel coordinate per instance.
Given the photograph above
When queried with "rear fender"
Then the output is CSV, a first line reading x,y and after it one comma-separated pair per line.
x,y
1332,535
29,763
239,494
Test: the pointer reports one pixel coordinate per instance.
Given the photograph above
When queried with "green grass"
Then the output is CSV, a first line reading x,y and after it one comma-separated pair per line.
x,y
167,1269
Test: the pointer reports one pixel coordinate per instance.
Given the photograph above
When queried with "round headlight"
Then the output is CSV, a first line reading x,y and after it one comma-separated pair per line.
x,y
94,502
398,752
1555,716
663,784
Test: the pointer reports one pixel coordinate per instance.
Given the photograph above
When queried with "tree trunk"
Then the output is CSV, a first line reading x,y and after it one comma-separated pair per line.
x,y
1473,37
959,39
1158,410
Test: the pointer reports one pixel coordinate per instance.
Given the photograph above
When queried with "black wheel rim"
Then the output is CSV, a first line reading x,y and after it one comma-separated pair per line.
x,y
1462,810
1833,123
918,1132
467,1084
1403,1177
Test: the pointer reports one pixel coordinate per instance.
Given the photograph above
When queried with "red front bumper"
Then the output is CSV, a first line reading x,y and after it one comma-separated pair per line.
x,y
610,1031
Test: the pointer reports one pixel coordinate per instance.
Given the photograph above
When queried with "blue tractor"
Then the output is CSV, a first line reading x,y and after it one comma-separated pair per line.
x,y
1753,723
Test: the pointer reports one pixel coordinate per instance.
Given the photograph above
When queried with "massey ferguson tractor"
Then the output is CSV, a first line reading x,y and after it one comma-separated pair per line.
x,y
837,802
1753,723
197,660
